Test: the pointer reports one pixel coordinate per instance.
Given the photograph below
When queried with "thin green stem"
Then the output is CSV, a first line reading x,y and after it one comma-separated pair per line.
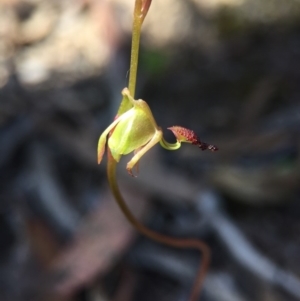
x,y
140,11
163,239
135,45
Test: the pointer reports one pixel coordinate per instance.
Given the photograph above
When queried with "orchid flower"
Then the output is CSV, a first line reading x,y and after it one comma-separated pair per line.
x,y
137,131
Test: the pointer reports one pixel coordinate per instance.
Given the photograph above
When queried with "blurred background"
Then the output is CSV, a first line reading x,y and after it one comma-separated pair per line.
x,y
229,70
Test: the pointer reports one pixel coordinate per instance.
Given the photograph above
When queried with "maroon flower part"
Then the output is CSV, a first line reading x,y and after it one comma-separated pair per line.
x,y
141,9
185,135
145,6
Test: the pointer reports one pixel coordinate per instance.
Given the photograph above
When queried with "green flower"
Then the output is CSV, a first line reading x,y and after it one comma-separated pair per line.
x,y
137,131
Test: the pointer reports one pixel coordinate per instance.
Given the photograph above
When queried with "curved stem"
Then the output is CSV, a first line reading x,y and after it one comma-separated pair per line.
x,y
169,146
163,239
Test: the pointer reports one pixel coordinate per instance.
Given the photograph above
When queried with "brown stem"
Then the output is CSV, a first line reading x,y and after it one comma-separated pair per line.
x,y
163,239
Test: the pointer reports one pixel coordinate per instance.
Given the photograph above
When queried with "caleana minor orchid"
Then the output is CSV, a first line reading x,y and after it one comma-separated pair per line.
x,y
135,130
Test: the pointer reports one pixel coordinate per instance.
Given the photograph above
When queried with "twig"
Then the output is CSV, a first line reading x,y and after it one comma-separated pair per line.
x,y
241,249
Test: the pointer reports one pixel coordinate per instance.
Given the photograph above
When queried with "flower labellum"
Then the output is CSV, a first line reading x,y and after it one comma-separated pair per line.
x,y
185,135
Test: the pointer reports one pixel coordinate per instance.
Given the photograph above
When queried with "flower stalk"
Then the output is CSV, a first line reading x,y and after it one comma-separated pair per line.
x,y
141,9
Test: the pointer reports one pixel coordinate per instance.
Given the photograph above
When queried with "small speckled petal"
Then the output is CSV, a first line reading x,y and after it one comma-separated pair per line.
x,y
185,135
